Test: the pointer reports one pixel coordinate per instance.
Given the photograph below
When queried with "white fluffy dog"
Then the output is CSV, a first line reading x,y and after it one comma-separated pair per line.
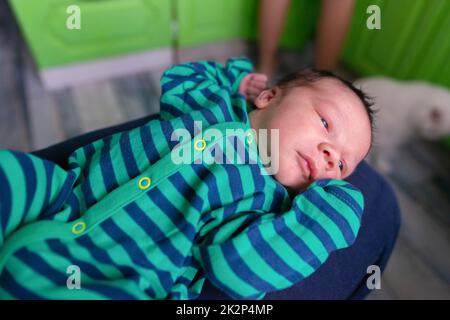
x,y
406,110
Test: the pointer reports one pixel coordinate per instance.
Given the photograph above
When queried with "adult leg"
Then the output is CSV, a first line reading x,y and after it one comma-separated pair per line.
x,y
272,15
335,17
344,274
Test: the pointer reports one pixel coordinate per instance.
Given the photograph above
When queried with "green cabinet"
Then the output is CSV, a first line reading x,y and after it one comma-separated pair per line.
x,y
115,27
413,42
202,22
300,23
108,28
299,26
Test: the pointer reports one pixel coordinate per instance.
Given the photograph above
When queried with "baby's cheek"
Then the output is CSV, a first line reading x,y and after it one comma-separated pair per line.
x,y
290,176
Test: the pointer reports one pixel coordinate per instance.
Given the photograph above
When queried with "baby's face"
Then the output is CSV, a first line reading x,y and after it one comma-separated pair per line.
x,y
324,131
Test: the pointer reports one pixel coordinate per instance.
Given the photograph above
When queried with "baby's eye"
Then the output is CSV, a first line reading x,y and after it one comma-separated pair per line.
x,y
341,165
324,122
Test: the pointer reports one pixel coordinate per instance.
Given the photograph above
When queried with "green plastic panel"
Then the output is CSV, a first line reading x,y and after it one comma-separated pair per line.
x,y
413,42
201,22
299,26
108,28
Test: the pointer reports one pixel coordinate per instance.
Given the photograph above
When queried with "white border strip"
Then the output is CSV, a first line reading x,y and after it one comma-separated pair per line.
x,y
68,75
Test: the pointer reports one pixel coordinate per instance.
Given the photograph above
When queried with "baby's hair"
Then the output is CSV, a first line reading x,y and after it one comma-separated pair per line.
x,y
308,77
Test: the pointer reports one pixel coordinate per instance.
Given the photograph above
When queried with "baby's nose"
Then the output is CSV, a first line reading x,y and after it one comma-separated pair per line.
x,y
330,159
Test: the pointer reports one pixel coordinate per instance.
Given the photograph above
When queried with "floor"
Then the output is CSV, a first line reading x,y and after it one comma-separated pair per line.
x,y
32,118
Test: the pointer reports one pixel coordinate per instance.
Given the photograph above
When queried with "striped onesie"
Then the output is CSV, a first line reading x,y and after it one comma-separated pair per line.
x,y
135,225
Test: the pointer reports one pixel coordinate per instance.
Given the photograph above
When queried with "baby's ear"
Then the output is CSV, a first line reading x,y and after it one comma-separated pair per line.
x,y
265,97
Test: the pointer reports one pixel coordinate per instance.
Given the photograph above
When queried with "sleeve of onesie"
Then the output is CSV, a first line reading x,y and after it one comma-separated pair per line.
x,y
191,86
254,253
30,189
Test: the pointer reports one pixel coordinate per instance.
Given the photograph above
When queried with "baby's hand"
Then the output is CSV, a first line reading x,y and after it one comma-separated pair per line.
x,y
252,85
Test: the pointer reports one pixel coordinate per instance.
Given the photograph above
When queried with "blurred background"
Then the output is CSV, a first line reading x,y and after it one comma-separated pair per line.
x,y
58,81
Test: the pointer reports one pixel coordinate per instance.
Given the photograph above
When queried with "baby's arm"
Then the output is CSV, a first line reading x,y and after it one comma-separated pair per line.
x,y
184,86
255,253
30,189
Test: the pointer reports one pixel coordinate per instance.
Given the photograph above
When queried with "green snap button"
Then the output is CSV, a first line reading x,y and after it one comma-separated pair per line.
x,y
200,145
79,227
144,183
249,138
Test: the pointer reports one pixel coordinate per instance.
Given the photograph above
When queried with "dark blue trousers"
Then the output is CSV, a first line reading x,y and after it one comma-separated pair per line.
x,y
344,274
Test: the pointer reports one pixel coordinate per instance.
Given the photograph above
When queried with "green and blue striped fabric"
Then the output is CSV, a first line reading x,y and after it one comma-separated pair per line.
x,y
139,226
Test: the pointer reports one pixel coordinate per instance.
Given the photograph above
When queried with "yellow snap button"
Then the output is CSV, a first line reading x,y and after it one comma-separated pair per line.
x,y
200,145
79,227
144,183
249,138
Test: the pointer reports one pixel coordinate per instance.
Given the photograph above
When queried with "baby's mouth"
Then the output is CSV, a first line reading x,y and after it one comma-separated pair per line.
x,y
304,165
307,166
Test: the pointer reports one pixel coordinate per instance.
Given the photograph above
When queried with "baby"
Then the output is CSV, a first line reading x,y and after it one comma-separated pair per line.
x,y
324,123
126,222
